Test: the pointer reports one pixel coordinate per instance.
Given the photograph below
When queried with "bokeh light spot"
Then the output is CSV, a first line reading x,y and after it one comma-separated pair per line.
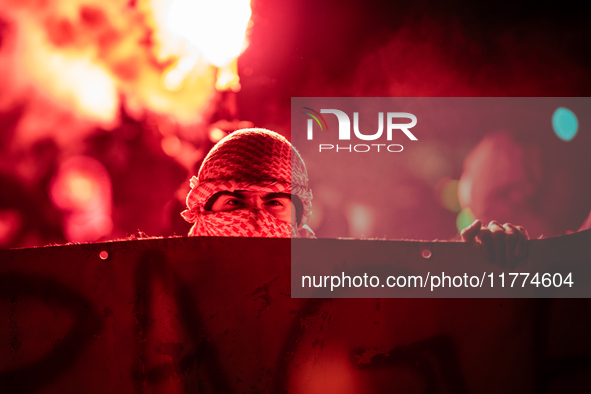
x,y
426,253
171,145
464,219
216,134
565,124
80,188
104,255
10,224
361,220
449,195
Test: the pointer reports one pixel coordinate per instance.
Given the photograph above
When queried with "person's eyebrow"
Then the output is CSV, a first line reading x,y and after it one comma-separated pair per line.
x,y
237,193
231,194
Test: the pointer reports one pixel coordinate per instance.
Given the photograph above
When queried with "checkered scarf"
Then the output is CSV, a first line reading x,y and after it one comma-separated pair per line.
x,y
255,160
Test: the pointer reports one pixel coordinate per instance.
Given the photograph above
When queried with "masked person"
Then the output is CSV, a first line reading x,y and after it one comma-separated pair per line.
x,y
253,183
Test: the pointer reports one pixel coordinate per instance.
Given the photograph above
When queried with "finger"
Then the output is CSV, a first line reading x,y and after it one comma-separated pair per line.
x,y
523,231
493,223
469,233
498,236
511,237
521,248
487,244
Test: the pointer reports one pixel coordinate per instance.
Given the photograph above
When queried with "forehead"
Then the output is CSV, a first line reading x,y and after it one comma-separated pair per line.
x,y
247,194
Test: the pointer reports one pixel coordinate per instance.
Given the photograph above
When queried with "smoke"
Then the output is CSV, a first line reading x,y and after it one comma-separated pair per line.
x,y
440,57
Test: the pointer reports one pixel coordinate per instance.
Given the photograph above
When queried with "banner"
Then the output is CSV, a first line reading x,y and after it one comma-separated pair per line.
x,y
216,315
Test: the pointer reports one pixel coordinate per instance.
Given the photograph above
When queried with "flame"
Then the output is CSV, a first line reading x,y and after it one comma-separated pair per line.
x,y
195,31
209,28
161,56
74,79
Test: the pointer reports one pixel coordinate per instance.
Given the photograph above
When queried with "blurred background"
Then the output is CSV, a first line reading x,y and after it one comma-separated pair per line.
x,y
108,107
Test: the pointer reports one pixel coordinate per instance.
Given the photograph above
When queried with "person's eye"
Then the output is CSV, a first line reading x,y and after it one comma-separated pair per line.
x,y
275,203
234,202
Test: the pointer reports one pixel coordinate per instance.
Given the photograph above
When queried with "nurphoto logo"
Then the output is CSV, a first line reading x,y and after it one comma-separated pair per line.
x,y
344,131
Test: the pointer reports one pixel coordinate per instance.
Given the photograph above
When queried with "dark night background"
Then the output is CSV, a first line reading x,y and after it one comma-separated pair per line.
x,y
373,48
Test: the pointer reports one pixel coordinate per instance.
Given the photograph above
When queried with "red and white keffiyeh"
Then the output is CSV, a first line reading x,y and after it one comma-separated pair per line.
x,y
254,160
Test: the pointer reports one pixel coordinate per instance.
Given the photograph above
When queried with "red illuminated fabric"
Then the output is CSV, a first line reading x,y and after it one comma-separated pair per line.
x,y
241,223
254,160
